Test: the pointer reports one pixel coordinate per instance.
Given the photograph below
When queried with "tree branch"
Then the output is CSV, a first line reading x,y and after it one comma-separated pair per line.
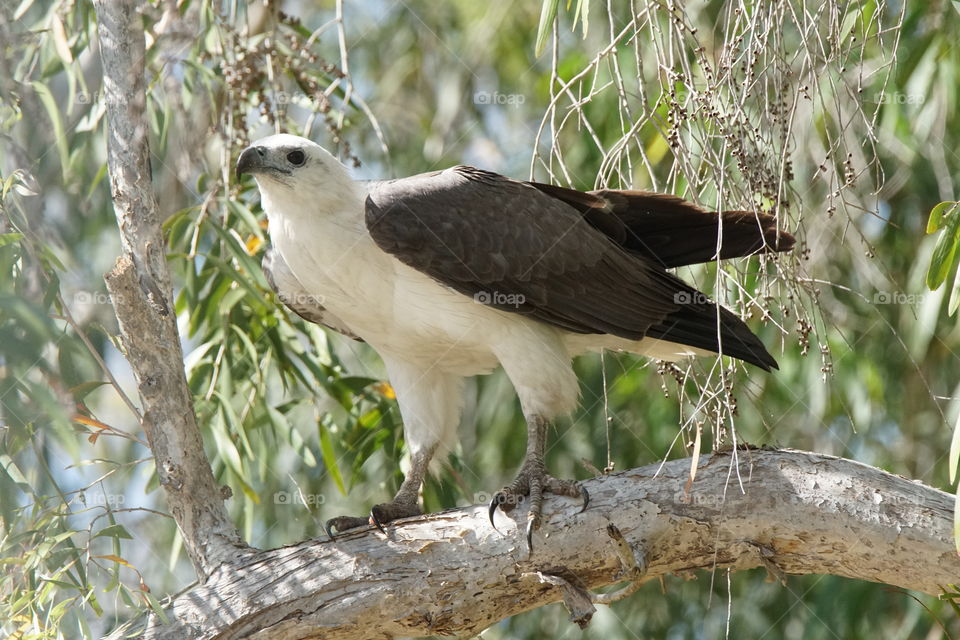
x,y
451,573
139,287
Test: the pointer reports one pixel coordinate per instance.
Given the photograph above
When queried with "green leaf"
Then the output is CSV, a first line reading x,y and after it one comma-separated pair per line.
x,y
9,238
59,583
954,457
944,253
357,384
937,214
954,294
225,446
246,215
8,465
329,457
156,607
582,13
849,21
251,351
81,391
22,9
114,531
53,111
548,13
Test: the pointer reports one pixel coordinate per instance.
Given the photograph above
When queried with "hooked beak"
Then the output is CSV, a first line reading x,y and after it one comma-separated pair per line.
x,y
252,160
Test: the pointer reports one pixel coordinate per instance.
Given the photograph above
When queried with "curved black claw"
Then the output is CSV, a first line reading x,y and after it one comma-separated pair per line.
x,y
376,515
510,496
498,499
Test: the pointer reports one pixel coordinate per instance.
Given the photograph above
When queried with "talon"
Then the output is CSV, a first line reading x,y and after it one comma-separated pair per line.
x,y
498,499
530,528
375,520
586,497
329,527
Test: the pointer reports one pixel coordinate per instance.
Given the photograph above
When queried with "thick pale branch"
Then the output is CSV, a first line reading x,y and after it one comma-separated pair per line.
x,y
140,288
451,573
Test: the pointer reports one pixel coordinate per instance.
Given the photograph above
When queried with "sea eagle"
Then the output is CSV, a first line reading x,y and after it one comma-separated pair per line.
x,y
453,273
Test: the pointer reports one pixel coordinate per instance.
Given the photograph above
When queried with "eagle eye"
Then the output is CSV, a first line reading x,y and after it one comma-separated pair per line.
x,y
296,157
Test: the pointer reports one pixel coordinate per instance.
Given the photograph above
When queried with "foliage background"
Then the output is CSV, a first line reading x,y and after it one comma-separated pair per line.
x,y
295,418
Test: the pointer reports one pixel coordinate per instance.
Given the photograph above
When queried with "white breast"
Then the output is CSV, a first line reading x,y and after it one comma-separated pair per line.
x,y
395,308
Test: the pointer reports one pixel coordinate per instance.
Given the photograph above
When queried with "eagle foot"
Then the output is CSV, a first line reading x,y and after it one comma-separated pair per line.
x,y
380,515
531,482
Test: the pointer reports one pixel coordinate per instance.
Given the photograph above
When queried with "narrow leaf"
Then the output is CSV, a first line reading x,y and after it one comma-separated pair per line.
x,y
548,14
937,214
114,531
954,294
954,457
59,135
942,260
60,39
8,238
116,559
330,458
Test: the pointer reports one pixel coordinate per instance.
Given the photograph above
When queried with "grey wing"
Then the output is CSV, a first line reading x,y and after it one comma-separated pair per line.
x,y
511,246
291,293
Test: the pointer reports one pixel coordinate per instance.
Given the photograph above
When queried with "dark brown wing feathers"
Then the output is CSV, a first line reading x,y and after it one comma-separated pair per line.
x,y
671,230
587,262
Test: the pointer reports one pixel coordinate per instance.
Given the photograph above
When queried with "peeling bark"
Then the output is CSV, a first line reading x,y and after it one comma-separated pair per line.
x,y
450,573
139,287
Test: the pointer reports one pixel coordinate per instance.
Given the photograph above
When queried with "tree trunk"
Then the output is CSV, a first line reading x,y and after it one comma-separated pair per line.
x,y
140,290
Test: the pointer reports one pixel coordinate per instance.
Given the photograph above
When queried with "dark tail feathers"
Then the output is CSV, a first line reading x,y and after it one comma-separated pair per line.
x,y
695,324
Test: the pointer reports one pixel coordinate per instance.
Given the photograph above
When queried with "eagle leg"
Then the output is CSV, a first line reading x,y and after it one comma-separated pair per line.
x,y
404,505
533,479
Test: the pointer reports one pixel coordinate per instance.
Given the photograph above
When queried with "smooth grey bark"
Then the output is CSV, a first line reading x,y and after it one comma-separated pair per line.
x,y
450,573
139,287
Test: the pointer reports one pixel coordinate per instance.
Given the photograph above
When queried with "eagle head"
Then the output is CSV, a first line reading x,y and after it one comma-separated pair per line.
x,y
285,162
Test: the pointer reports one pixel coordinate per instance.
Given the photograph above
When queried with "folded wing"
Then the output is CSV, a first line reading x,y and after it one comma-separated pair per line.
x,y
579,262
